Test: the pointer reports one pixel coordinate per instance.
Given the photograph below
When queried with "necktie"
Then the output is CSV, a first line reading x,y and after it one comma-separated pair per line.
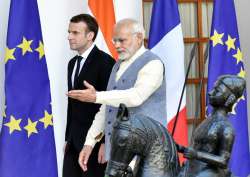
x,y
78,60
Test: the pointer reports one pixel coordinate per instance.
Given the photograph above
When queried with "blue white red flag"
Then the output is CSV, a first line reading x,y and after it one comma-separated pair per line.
x,y
166,41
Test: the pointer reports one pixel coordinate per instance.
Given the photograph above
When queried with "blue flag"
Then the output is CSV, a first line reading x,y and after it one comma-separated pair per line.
x,y
226,58
27,146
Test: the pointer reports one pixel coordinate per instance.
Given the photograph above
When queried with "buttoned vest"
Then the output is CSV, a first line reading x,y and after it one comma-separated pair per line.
x,y
154,106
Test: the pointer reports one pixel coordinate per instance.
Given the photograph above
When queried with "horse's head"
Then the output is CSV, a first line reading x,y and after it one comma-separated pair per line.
x,y
140,135
121,145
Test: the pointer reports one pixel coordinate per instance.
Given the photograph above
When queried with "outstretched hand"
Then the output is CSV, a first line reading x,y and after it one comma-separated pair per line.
x,y
86,95
84,157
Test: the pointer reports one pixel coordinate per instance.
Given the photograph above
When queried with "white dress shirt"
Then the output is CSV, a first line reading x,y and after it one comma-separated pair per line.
x,y
149,79
84,56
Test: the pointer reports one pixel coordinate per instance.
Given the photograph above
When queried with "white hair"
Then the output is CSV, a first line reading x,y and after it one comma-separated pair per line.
x,y
136,26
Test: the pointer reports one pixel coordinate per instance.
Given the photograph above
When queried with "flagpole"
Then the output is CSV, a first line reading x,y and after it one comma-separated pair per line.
x,y
192,54
193,51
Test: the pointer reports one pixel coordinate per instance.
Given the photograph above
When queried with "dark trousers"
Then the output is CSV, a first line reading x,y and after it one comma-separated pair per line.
x,y
71,168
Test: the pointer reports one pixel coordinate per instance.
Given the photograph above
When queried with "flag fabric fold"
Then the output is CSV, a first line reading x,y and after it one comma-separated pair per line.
x,y
226,58
166,41
27,146
104,13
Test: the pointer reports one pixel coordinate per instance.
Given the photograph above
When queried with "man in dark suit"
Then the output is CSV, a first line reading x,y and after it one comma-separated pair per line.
x,y
94,66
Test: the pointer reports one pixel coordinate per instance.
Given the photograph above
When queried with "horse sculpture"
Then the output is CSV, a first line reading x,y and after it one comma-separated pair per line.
x,y
208,154
142,136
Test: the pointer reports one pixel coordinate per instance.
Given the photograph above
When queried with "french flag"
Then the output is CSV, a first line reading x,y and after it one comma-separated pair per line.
x,y
166,41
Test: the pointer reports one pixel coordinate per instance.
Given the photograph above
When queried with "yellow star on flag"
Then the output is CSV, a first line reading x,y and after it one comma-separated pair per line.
x,y
40,50
241,98
234,106
31,127
13,124
47,119
25,46
230,43
238,56
242,73
217,38
9,54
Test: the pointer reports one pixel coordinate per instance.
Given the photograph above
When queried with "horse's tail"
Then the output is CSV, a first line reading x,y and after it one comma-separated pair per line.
x,y
173,159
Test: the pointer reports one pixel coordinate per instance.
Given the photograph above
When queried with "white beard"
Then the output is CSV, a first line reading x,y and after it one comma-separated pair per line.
x,y
123,57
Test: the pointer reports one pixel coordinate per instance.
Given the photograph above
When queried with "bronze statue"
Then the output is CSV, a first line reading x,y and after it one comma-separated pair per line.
x,y
213,139
145,137
210,148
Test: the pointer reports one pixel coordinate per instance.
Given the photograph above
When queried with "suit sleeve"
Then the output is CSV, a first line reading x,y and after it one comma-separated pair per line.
x,y
68,107
68,122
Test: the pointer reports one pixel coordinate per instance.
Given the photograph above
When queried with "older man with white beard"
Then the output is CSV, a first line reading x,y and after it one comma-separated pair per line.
x,y
137,80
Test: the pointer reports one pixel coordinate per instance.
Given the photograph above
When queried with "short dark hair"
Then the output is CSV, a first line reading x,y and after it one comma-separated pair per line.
x,y
90,21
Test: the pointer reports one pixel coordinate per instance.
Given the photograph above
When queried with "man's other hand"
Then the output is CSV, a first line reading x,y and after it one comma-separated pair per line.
x,y
65,147
84,156
101,154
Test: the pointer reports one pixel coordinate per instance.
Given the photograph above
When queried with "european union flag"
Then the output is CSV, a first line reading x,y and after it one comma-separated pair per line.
x,y
226,58
27,146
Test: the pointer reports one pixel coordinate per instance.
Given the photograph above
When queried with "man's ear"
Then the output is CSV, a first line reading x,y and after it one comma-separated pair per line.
x,y
139,35
140,38
90,35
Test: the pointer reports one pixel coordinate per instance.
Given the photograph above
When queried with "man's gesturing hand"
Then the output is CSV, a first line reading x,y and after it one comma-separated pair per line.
x,y
86,95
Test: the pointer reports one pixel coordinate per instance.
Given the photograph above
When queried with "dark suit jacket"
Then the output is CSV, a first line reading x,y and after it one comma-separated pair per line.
x,y
96,71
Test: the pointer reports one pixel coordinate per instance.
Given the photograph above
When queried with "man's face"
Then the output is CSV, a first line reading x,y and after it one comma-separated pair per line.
x,y
125,42
78,36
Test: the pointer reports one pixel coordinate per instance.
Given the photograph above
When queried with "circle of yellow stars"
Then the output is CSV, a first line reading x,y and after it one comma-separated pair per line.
x,y
25,46
14,123
216,39
30,127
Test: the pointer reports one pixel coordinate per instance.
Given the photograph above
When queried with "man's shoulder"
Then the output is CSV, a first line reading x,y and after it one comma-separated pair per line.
x,y
152,55
103,56
149,56
101,52
72,60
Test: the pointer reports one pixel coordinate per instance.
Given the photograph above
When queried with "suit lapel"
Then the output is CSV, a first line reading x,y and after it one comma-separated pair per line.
x,y
71,67
89,60
85,68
